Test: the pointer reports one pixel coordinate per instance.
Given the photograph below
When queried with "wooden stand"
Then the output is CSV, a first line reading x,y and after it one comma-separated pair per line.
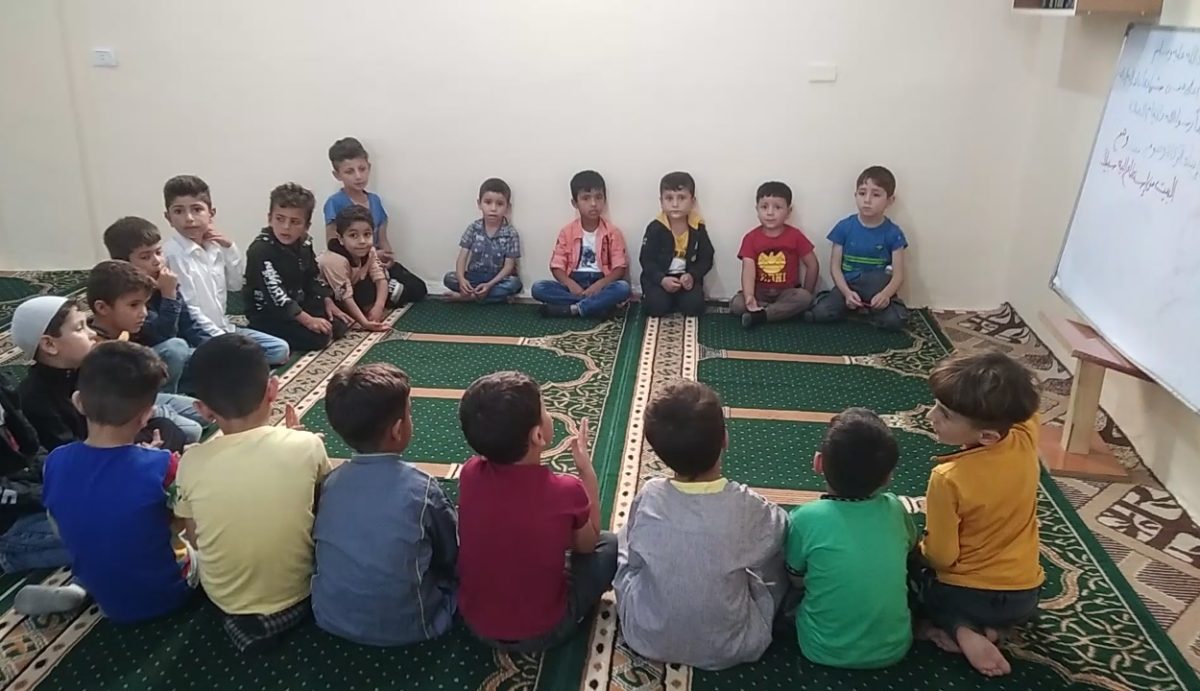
x,y
1075,449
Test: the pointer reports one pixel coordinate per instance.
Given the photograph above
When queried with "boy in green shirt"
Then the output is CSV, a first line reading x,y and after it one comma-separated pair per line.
x,y
850,549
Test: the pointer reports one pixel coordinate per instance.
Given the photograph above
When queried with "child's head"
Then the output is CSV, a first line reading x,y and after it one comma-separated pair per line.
x,y
858,454
355,231
980,397
875,191
495,198
53,331
368,406
118,384
774,200
189,206
685,425
136,240
589,195
351,167
291,212
677,194
232,380
503,418
117,293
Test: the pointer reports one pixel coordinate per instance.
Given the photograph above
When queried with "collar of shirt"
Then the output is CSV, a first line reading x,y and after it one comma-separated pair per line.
x,y
694,219
710,487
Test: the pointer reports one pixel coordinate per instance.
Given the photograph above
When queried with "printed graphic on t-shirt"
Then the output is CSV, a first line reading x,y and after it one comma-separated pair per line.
x,y
772,268
589,257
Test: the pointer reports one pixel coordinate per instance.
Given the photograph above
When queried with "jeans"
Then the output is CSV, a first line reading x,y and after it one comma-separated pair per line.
x,y
174,353
181,411
500,292
31,543
830,306
276,349
603,302
589,577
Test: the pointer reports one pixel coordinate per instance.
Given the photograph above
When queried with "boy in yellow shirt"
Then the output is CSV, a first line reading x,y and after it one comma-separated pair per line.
x,y
981,526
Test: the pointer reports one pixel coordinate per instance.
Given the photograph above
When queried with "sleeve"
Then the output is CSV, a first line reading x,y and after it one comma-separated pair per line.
x,y
465,241
770,524
794,553
52,430
234,267
896,239
331,209
620,254
188,329
182,506
170,482
442,522
704,256
162,323
383,217
577,504
513,248
746,251
261,271
558,259
941,522
315,284
336,270
838,235
627,558
804,246
653,270
324,467
187,289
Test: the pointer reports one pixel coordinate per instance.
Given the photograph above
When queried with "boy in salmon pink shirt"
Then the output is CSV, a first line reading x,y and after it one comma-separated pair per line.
x,y
773,285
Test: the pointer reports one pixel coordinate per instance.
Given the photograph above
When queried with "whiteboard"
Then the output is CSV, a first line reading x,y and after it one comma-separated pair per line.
x,y
1130,263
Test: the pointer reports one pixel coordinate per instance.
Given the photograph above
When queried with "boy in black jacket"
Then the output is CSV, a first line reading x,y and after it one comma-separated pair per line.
x,y
285,294
676,252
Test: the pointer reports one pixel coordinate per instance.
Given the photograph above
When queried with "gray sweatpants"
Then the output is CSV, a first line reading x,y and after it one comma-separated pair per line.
x,y
780,305
830,306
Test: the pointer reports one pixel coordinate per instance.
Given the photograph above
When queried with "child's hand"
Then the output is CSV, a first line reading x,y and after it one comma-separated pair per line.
x,y
214,235
853,301
315,324
375,326
341,316
386,258
671,284
880,301
687,281
156,441
375,314
579,446
464,287
591,290
291,420
752,304
168,283
576,289
483,289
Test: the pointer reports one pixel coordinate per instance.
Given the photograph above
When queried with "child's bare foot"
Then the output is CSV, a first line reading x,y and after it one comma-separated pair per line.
x,y
983,654
455,296
926,631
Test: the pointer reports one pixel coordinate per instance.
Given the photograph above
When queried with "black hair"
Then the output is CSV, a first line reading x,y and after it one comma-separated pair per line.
x,y
230,375
113,278
346,149
363,403
880,176
186,186
289,195
498,186
775,189
497,412
341,223
128,235
119,380
679,180
585,181
858,453
685,425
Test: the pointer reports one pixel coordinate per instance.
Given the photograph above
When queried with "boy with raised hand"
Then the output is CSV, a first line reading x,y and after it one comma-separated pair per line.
x,y
394,583
849,551
351,268
518,521
110,498
486,268
676,251
867,260
981,527
589,263
248,497
206,263
700,574
352,168
117,294
169,328
53,332
285,293
773,286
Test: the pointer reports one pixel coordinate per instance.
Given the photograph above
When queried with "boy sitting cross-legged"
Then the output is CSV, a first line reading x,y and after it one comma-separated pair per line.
x,y
981,529
486,268
849,550
676,251
589,262
110,498
248,496
386,533
772,256
519,592
700,574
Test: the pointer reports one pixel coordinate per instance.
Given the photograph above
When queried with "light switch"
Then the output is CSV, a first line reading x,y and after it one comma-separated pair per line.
x,y
104,57
822,72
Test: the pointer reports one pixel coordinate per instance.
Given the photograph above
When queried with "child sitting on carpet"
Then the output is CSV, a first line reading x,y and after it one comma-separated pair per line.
x,y
169,328
773,287
589,261
486,269
53,332
110,498
351,268
284,292
248,496
713,607
117,294
392,583
676,251
518,520
981,528
867,260
352,168
849,550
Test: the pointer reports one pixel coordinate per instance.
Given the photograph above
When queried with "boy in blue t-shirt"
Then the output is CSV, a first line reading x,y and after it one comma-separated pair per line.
x,y
486,268
352,168
867,262
110,499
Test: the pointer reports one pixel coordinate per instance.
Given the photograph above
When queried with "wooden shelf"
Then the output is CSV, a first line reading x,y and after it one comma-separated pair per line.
x,y
1081,7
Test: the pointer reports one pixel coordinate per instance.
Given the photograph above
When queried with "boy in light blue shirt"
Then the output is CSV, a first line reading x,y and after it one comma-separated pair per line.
x,y
386,535
867,261
352,168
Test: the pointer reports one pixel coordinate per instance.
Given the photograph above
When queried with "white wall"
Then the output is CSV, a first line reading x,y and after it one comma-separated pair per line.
x,y
249,95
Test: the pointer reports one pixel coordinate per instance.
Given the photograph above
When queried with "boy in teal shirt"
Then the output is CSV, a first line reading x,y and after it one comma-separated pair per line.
x,y
850,549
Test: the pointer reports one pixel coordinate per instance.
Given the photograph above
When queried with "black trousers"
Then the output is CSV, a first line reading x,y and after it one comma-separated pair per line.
x,y
658,302
298,338
414,288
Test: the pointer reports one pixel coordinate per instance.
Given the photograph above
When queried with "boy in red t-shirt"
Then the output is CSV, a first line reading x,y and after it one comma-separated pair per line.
x,y
772,254
517,520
